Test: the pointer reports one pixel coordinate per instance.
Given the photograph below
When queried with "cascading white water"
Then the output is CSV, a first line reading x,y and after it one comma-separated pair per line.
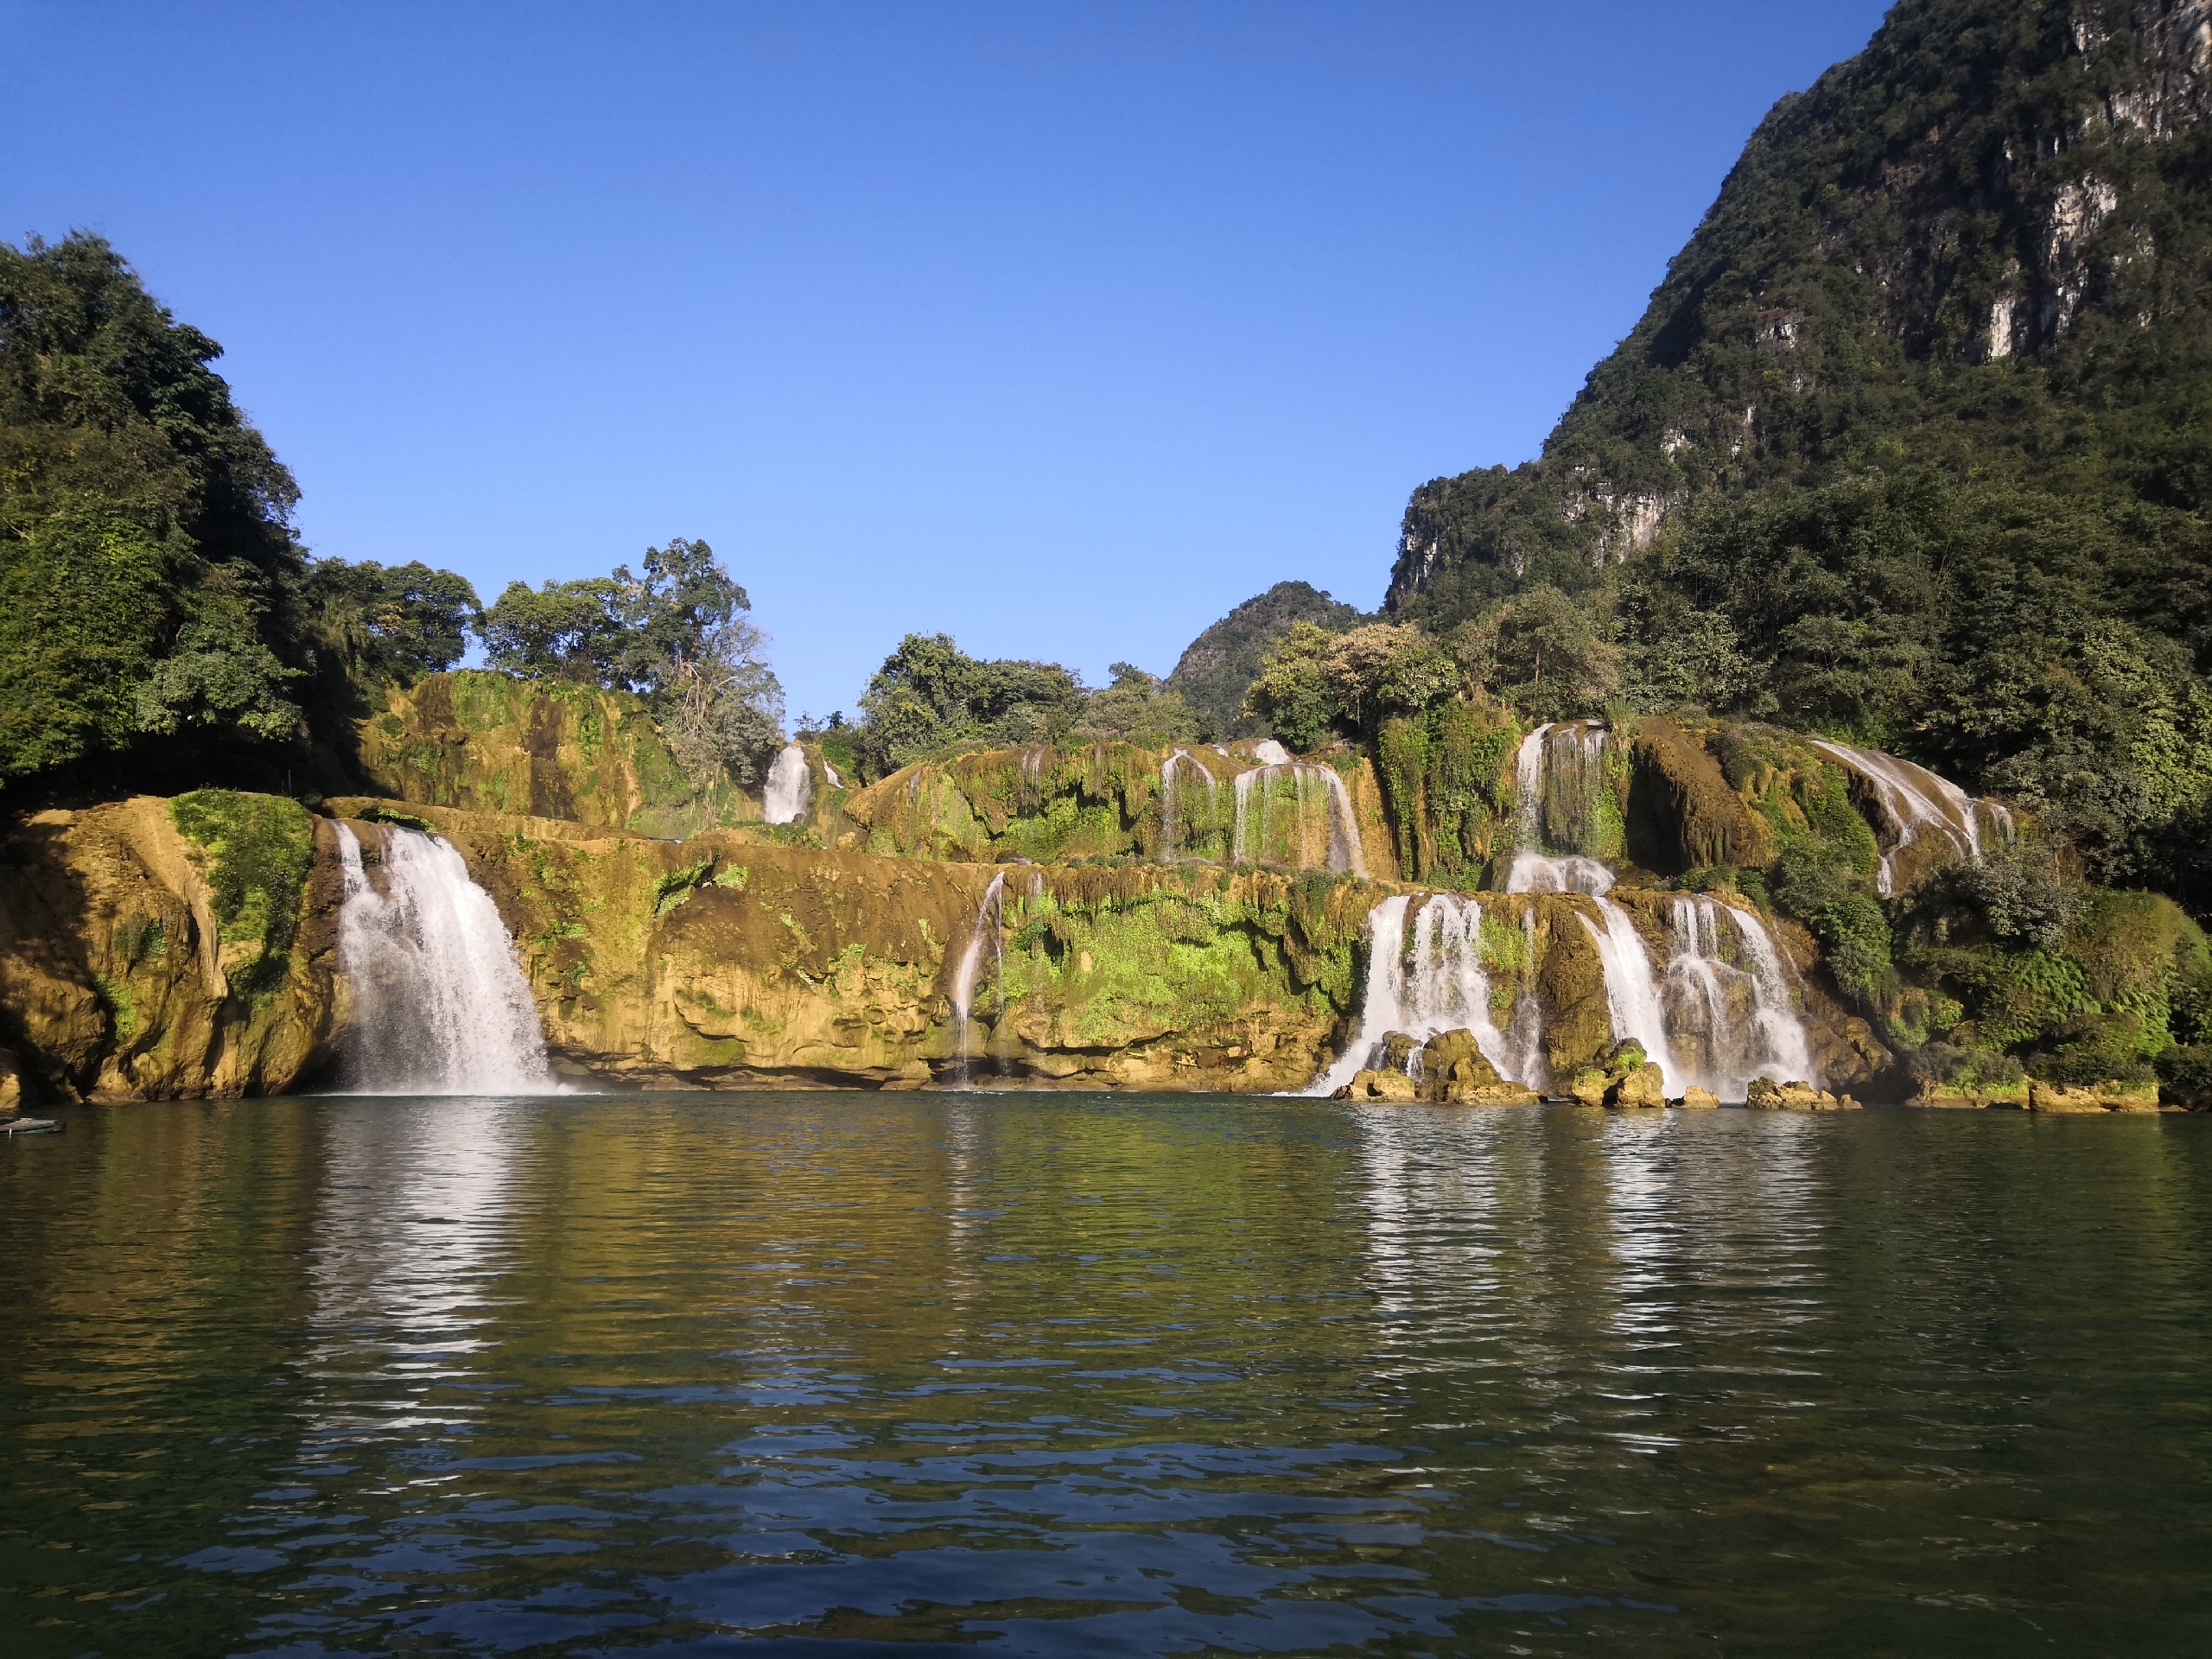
x,y
988,915
1249,838
1269,752
1382,1005
789,786
1915,800
1730,1021
1632,998
1439,985
1788,1049
440,1005
1168,819
830,776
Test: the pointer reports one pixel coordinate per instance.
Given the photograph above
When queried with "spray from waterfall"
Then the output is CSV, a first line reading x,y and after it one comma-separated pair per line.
x,y
991,916
789,786
440,1006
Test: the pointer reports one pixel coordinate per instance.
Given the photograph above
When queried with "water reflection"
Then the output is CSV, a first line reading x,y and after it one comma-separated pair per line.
x,y
1092,1374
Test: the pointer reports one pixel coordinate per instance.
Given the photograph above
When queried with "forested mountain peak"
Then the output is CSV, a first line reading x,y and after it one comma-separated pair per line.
x,y
1981,243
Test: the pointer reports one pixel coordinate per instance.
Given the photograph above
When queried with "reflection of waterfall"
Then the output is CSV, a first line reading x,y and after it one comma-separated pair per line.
x,y
440,1007
990,915
1439,985
1271,831
1170,824
1916,801
790,785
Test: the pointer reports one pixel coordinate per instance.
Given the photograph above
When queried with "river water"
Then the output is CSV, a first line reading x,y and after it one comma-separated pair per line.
x,y
839,1374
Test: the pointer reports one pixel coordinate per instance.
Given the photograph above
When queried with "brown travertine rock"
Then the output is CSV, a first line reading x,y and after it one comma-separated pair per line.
x,y
2095,1097
1493,1093
1642,1088
115,979
1697,1099
1398,1050
2054,1097
1764,1094
11,1085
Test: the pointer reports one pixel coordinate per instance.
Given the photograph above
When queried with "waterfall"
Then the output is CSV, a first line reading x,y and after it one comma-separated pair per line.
x,y
1631,995
1168,820
1250,839
1731,1021
1381,1009
1269,752
1633,1002
1789,1052
1439,985
790,785
1915,799
829,775
440,1007
989,915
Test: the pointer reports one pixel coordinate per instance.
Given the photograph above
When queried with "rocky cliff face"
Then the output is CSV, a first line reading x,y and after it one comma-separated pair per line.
x,y
141,959
732,960
488,742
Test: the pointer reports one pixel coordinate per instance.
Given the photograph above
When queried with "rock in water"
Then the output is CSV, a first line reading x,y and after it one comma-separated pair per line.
x,y
1765,1094
1696,1099
1644,1087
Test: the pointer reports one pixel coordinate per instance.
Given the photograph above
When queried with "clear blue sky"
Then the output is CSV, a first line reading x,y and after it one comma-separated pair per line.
x,y
1060,327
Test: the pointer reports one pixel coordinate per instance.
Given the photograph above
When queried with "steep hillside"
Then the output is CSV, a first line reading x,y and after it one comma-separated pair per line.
x,y
1982,244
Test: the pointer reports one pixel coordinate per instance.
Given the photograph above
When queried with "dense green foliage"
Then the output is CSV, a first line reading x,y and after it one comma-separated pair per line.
x,y
932,699
674,633
254,852
157,612
400,622
1216,667
1137,708
145,558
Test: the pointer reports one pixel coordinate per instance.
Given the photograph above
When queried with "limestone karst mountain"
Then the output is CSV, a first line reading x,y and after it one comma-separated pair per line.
x,y
1981,242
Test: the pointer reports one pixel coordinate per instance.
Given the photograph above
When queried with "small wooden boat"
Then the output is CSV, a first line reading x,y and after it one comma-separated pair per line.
x,y
13,1126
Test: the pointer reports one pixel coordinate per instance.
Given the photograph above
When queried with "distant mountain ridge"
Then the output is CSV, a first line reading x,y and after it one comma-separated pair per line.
x,y
1983,244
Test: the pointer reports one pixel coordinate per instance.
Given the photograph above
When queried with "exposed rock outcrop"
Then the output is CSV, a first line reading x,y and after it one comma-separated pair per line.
x,y
490,742
726,961
137,962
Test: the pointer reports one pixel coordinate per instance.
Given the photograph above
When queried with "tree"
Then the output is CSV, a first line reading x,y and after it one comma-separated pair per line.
x,y
397,622
929,697
674,634
1541,652
1294,692
566,631
1138,707
146,556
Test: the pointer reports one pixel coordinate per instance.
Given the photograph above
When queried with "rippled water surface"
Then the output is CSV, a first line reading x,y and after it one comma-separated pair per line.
x,y
848,1374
